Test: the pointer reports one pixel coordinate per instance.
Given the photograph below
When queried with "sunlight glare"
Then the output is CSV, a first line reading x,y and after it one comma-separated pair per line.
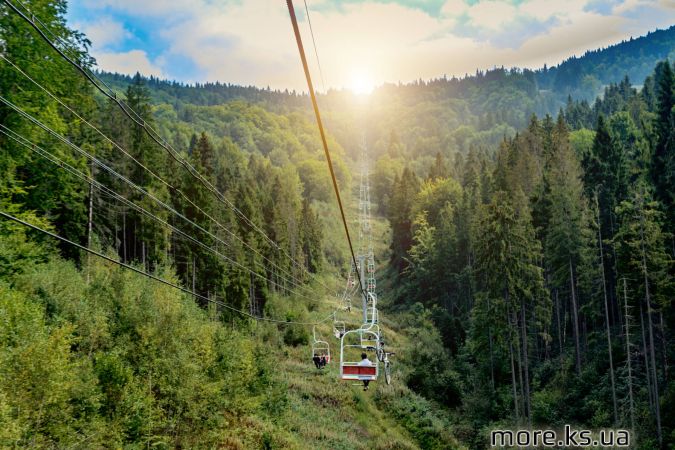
x,y
361,82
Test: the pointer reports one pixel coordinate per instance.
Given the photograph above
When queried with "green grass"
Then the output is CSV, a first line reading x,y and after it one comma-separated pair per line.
x,y
324,412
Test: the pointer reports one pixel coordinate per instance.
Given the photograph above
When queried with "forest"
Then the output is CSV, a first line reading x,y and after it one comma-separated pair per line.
x,y
524,223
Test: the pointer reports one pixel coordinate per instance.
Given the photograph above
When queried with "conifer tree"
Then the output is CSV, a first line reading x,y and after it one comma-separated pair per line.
x,y
400,212
663,159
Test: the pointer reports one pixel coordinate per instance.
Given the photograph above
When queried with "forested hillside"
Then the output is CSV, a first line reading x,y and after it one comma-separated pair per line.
x,y
547,266
524,230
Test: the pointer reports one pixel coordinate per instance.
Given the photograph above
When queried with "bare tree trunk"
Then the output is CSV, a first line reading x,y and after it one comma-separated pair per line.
x,y
526,363
614,297
609,337
135,244
513,366
251,296
117,235
560,331
664,352
650,327
492,361
646,357
124,235
519,355
91,219
631,404
575,320
513,382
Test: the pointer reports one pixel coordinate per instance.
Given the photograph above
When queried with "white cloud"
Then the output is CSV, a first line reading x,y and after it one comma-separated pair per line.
x,y
492,14
251,41
629,5
454,7
128,62
105,32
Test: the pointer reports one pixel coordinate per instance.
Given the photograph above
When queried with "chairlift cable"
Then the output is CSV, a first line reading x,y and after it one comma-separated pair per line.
x,y
316,51
172,188
329,161
64,165
151,276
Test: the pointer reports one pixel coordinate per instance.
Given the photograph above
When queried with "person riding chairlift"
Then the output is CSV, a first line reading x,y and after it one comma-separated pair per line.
x,y
324,361
365,362
317,361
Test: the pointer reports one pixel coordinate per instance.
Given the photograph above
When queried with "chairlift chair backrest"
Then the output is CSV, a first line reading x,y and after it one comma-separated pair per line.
x,y
352,370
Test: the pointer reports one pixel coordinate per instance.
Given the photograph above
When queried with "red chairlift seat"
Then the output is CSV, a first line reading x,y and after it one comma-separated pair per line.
x,y
353,371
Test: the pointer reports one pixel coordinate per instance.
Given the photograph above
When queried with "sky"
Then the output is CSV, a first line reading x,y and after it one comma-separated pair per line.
x,y
360,43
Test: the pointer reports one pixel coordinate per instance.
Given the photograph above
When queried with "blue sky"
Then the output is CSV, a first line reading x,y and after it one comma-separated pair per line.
x,y
360,42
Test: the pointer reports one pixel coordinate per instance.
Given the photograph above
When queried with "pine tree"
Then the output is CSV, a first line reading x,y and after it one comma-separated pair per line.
x,y
438,169
663,159
566,225
512,283
311,238
642,253
400,217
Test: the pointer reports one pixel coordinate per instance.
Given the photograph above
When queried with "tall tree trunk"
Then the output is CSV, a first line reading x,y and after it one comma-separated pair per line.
x,y
646,357
560,331
609,337
194,276
631,404
513,366
650,327
251,296
664,350
613,296
519,355
90,220
526,363
575,320
513,382
492,361
124,235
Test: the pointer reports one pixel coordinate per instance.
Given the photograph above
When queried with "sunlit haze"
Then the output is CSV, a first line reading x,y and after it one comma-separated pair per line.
x,y
361,82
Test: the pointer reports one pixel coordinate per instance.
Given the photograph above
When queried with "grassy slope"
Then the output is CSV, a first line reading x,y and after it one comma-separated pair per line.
x,y
326,413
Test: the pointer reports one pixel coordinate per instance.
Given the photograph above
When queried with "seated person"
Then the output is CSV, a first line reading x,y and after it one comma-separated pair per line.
x,y
365,362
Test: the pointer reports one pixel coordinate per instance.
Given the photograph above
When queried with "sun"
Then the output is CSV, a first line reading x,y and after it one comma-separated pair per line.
x,y
361,82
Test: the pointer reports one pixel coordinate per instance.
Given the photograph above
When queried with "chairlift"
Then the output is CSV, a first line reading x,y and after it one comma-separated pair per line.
x,y
339,329
320,348
370,337
351,370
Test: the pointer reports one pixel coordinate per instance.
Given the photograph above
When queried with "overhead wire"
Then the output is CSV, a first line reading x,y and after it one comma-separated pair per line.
x,y
151,172
74,171
312,94
316,51
114,173
155,277
107,91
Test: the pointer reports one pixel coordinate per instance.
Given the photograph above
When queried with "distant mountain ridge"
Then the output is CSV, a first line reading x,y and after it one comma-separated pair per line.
x,y
580,76
443,115
636,58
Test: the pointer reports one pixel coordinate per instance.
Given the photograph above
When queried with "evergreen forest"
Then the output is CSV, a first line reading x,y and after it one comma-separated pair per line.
x,y
169,252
